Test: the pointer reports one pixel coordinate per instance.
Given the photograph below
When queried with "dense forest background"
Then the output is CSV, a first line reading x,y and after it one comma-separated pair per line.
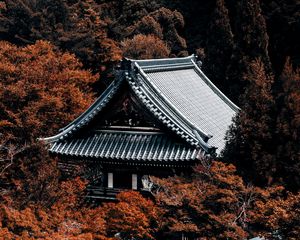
x,y
56,56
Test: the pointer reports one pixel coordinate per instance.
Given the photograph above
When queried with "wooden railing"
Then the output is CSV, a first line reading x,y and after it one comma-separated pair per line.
x,y
95,194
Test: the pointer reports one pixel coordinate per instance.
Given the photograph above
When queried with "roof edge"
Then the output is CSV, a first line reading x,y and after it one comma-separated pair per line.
x,y
215,88
88,114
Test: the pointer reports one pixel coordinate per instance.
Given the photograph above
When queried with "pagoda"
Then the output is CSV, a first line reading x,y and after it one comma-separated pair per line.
x,y
158,117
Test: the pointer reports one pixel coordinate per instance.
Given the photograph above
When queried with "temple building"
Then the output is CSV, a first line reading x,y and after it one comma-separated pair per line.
x,y
158,117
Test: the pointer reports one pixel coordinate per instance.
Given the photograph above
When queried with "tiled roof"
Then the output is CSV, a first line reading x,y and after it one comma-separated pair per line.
x,y
177,93
127,145
187,98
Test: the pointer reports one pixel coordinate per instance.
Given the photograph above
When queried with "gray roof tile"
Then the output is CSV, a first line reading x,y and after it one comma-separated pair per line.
x,y
127,145
177,93
189,95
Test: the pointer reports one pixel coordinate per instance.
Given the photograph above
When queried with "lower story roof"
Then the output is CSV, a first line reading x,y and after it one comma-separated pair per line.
x,y
127,145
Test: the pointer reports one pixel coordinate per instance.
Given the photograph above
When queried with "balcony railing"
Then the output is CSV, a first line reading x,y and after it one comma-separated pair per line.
x,y
96,194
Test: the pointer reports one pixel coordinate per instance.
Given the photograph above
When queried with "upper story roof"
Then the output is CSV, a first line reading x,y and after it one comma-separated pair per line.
x,y
177,93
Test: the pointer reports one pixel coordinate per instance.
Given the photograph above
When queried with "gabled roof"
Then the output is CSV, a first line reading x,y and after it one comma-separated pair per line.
x,y
177,93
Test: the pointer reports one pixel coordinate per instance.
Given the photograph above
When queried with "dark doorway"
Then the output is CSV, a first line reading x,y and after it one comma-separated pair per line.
x,y
122,180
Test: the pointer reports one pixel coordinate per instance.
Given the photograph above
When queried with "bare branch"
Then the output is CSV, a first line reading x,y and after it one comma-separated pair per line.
x,y
8,152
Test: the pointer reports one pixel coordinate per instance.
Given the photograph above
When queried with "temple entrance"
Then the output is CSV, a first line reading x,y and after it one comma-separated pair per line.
x,y
122,180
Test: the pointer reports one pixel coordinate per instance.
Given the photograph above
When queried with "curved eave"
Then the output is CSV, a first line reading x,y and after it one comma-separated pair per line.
x,y
115,145
159,104
165,113
88,115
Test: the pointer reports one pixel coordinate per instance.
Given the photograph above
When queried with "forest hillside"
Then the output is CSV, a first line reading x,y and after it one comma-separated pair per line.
x,y
57,56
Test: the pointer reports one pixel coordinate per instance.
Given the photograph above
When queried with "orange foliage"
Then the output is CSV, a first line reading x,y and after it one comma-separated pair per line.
x,y
215,203
132,217
276,212
144,47
250,143
208,205
66,218
288,126
41,90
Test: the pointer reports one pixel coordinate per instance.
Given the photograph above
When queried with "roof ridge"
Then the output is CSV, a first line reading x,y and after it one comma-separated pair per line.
x,y
163,61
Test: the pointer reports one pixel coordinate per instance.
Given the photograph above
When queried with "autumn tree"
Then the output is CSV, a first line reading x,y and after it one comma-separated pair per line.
x,y
67,217
41,90
250,143
144,47
71,25
32,177
288,126
219,46
275,214
211,204
132,217
215,203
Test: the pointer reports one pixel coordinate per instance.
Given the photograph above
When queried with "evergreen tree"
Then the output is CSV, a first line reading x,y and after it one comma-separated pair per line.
x,y
288,127
172,23
219,46
251,42
71,25
250,143
146,17
282,19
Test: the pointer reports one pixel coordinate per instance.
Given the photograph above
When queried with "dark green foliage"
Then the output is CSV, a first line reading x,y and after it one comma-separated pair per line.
x,y
147,17
71,25
282,18
251,31
264,141
250,141
219,47
197,16
172,23
288,127
251,41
